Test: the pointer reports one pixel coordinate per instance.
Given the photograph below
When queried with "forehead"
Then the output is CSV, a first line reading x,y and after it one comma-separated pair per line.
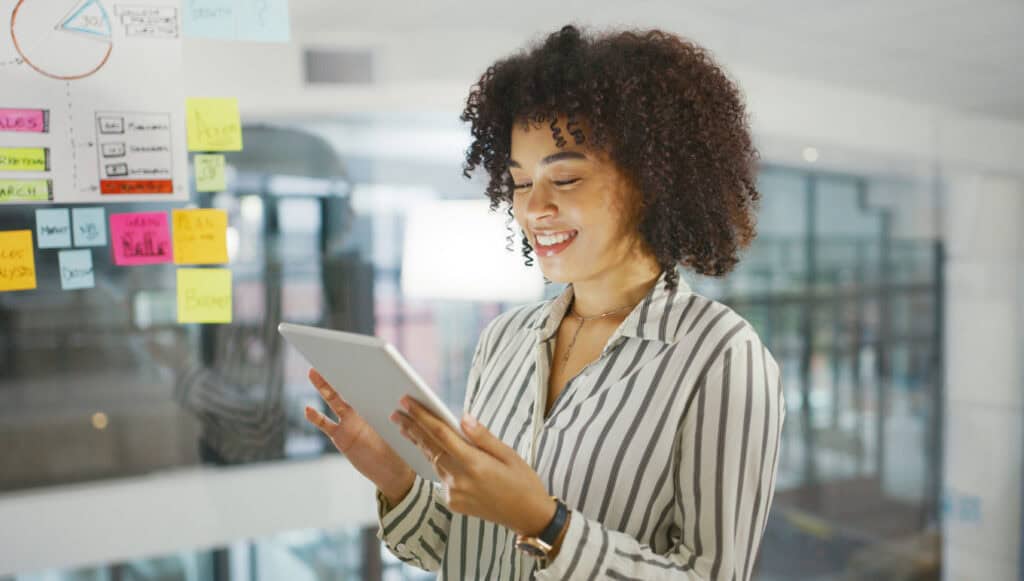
x,y
536,143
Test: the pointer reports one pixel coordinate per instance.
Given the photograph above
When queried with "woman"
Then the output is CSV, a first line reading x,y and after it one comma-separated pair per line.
x,y
628,428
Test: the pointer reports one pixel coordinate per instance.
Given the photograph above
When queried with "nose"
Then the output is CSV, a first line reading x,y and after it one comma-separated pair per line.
x,y
540,203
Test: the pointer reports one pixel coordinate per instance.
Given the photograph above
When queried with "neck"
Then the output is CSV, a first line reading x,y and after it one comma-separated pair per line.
x,y
615,289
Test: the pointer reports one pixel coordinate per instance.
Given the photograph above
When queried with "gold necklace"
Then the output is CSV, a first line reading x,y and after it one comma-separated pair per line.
x,y
582,319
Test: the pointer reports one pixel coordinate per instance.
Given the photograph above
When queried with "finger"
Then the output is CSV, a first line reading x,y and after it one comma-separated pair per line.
x,y
337,404
439,431
411,430
322,422
433,455
423,440
486,441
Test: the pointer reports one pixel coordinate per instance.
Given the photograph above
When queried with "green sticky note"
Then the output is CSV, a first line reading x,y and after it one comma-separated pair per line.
x,y
210,173
26,191
204,295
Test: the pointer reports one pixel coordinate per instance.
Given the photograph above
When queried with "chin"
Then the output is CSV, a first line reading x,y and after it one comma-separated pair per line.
x,y
559,275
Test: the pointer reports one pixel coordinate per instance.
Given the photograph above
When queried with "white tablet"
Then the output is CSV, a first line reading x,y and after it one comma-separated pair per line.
x,y
372,376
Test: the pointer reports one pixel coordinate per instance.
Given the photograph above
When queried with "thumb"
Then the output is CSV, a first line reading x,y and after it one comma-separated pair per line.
x,y
484,439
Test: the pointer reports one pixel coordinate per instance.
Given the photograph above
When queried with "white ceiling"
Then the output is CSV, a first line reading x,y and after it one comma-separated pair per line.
x,y
963,54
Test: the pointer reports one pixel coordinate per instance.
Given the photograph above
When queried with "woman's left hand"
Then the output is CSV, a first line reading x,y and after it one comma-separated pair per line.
x,y
485,477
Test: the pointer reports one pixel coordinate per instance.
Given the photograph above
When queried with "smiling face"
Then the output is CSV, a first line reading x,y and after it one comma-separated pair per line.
x,y
573,204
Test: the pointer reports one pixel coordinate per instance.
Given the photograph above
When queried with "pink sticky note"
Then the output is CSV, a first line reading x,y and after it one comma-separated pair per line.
x,y
141,238
25,120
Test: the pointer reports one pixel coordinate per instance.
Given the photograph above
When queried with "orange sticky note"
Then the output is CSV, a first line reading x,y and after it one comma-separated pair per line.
x,y
17,261
204,295
200,236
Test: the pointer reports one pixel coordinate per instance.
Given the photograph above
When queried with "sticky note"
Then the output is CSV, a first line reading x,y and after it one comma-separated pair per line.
x,y
209,19
213,124
210,173
89,226
263,21
76,269
17,261
53,228
204,295
140,238
24,159
200,236
260,21
25,120
26,191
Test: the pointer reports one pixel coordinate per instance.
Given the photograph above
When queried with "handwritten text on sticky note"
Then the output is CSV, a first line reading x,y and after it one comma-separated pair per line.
x,y
53,228
262,21
200,236
89,226
76,269
204,295
17,261
213,124
26,191
210,173
25,120
24,159
140,238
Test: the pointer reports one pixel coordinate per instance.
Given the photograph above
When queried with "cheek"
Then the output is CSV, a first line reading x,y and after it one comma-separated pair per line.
x,y
518,212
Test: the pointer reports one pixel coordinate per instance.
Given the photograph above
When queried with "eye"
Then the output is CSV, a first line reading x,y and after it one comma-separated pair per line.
x,y
566,182
521,186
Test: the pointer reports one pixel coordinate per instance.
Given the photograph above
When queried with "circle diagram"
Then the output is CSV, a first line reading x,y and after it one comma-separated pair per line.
x,y
62,39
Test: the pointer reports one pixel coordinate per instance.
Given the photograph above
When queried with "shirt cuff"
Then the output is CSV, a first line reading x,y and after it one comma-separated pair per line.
x,y
391,527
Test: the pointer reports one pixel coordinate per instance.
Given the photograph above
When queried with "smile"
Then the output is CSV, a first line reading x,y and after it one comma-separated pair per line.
x,y
558,243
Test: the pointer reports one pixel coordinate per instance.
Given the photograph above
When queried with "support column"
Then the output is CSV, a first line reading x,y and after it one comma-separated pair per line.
x,y
984,391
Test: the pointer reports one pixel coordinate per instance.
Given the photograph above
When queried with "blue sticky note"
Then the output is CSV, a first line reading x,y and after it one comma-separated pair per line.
x,y
53,228
263,20
209,19
89,226
253,20
76,269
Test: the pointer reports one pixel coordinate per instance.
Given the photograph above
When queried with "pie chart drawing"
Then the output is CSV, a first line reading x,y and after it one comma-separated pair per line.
x,y
62,39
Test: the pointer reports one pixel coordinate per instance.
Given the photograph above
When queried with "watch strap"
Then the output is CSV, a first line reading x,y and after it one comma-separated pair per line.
x,y
550,532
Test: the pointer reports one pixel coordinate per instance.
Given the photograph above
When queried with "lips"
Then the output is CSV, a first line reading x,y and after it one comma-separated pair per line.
x,y
569,231
552,250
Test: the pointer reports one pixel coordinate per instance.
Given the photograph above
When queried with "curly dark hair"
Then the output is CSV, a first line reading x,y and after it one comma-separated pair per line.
x,y
660,108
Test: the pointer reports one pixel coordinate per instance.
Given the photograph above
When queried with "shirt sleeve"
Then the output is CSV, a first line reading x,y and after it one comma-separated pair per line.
x,y
724,475
416,529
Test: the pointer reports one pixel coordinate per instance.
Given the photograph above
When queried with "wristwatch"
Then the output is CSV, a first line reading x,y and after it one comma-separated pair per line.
x,y
540,545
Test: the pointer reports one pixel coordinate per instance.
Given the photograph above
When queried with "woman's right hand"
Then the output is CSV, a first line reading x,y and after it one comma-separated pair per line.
x,y
360,443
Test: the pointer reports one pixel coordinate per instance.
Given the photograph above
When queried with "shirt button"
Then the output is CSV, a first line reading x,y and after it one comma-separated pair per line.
x,y
401,546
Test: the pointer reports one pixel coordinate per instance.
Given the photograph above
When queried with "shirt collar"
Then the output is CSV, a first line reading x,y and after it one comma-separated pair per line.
x,y
645,321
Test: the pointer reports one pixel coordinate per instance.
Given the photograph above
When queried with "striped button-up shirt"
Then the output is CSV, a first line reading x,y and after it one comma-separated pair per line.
x,y
664,448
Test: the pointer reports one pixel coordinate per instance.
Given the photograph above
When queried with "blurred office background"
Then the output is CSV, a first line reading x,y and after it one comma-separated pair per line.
x,y
887,279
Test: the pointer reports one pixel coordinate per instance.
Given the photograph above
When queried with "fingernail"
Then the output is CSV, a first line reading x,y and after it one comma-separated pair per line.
x,y
404,403
470,420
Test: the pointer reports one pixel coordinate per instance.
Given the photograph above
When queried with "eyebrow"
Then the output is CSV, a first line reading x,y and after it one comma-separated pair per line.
x,y
561,155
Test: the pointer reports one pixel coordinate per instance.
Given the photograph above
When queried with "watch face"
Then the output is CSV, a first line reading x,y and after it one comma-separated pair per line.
x,y
531,549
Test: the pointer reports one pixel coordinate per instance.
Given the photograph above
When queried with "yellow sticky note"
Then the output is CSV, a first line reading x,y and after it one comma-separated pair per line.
x,y
204,295
24,159
17,261
200,236
213,124
210,173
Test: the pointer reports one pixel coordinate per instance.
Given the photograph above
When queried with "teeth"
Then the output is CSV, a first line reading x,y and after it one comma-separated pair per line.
x,y
546,240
